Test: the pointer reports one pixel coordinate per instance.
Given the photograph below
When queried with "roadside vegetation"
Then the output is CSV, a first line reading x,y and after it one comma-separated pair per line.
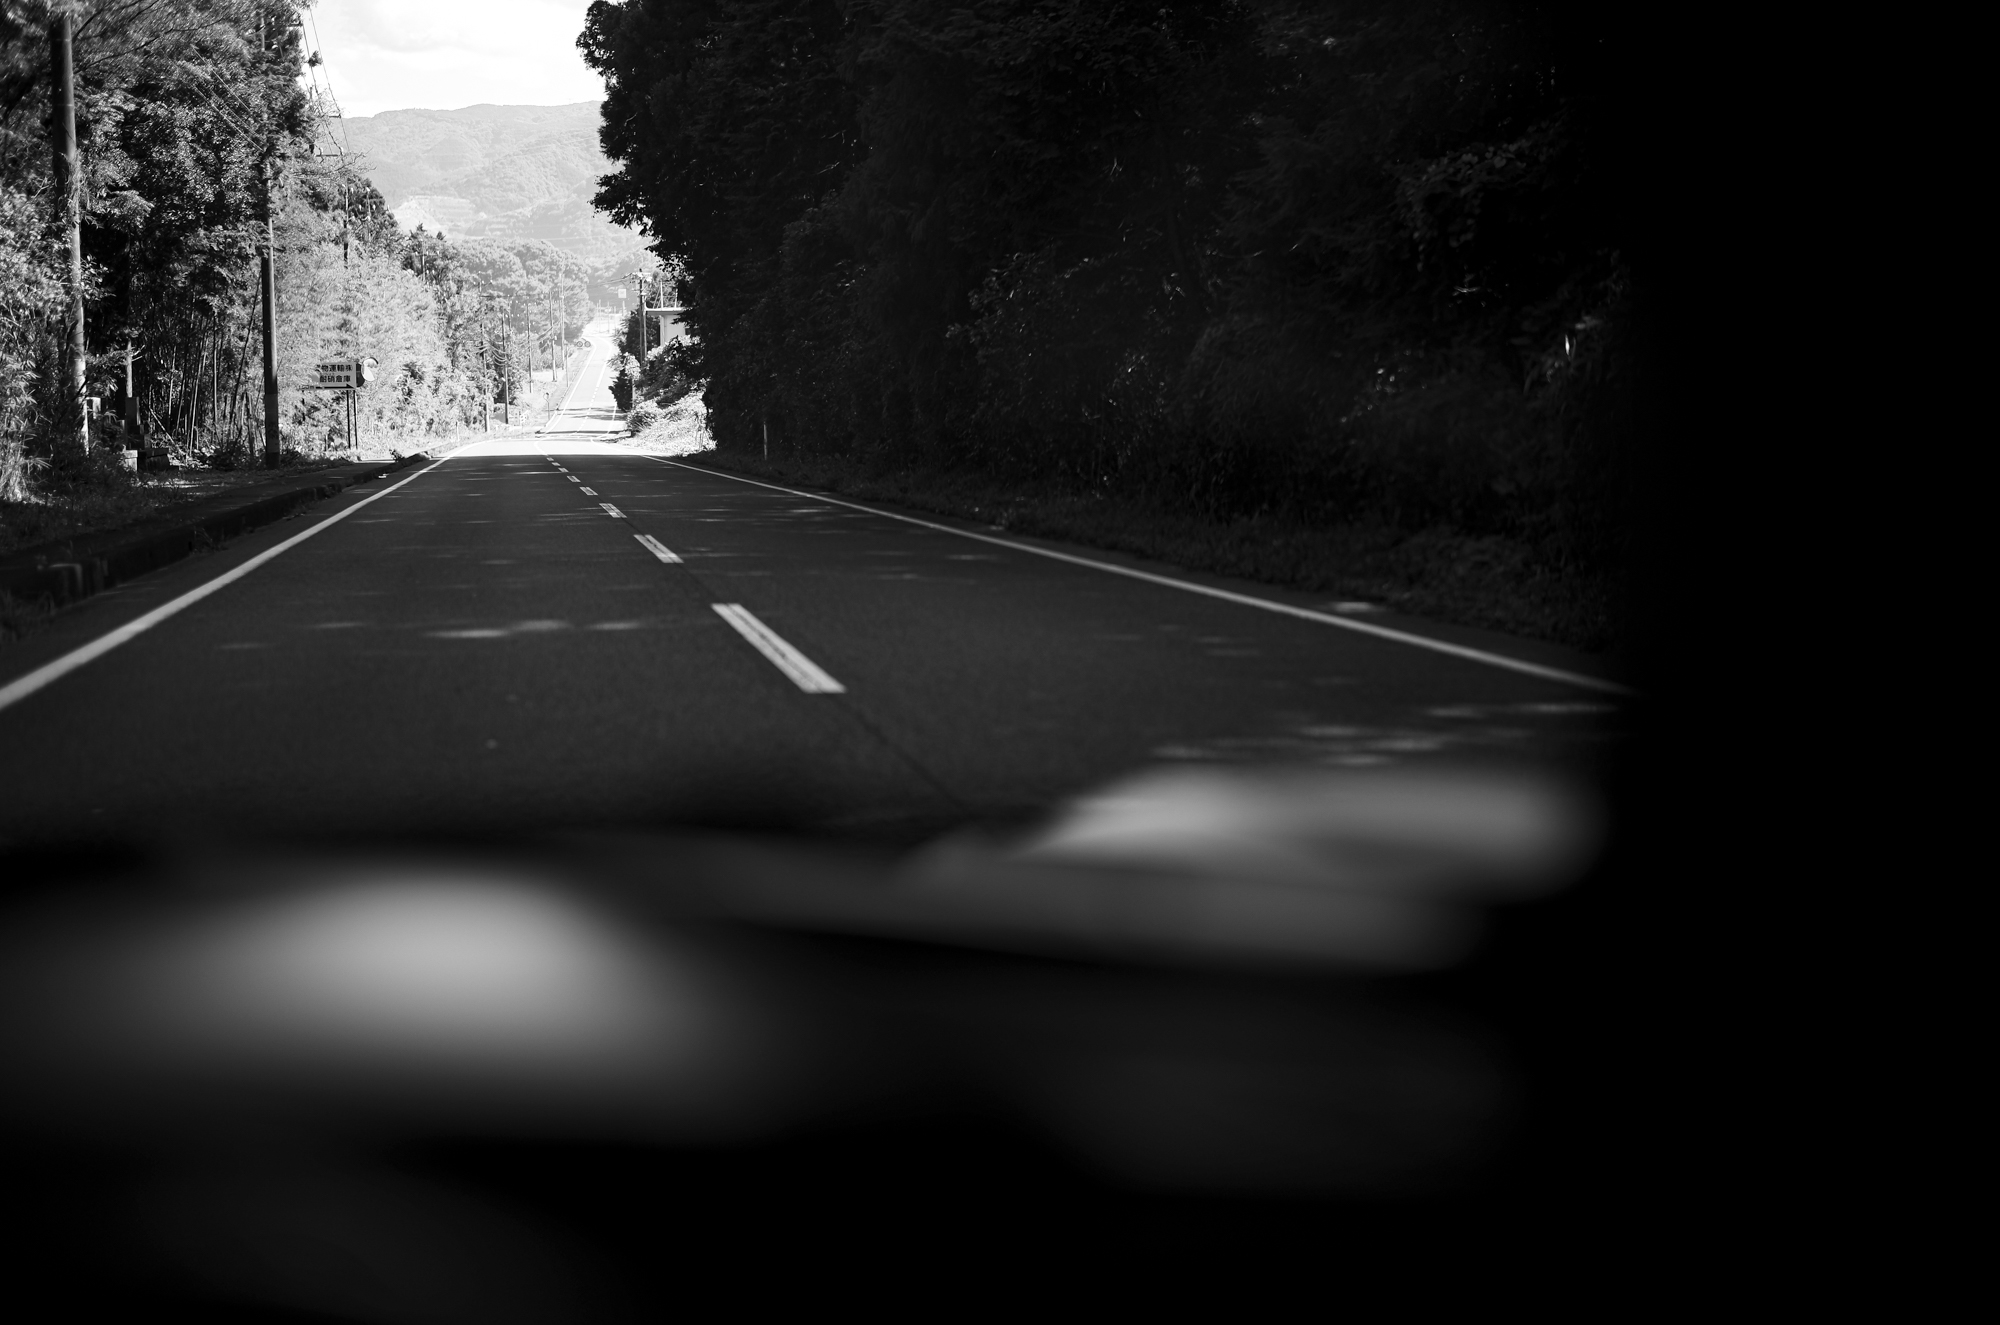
x,y
665,410
114,499
182,106
1331,295
1489,580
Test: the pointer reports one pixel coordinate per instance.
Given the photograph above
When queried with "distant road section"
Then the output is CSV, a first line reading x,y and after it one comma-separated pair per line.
x,y
590,407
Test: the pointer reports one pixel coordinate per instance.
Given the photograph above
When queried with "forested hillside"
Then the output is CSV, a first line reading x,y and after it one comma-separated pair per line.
x,y
1322,265
523,172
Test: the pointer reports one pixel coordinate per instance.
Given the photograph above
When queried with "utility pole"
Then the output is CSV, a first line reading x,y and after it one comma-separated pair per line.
x,y
273,451
69,190
505,365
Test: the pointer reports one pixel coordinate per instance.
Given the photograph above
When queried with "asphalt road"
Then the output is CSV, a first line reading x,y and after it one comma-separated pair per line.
x,y
491,642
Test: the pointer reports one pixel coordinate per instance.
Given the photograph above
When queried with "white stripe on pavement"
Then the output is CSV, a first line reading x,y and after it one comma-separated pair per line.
x,y
588,492
19,689
609,509
805,674
1228,596
657,548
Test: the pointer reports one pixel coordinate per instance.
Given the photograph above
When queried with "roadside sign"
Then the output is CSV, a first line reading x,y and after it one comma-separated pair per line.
x,y
341,374
333,374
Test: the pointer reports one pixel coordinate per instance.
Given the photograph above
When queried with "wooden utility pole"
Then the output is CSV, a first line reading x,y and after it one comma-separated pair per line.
x,y
273,450
268,281
69,192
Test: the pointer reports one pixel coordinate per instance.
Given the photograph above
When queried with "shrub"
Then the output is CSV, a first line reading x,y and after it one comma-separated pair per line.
x,y
642,416
625,384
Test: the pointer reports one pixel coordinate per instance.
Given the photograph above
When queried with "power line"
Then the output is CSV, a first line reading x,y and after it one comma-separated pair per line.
x,y
251,138
319,53
223,87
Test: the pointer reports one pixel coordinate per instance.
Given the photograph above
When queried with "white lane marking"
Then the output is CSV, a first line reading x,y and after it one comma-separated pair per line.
x,y
603,362
657,548
609,509
1228,596
572,478
589,492
597,379
804,673
21,687
555,415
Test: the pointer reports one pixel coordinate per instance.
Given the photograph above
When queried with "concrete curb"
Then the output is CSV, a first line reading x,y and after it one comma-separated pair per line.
x,y
71,569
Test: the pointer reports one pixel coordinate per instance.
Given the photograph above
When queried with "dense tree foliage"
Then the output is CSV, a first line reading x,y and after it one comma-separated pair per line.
x,y
184,109
1239,255
181,105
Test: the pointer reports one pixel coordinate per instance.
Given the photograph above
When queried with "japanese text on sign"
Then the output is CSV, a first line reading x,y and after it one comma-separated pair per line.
x,y
340,374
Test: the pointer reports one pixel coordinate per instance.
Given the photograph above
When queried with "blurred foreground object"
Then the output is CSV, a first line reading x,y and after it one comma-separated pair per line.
x,y
1173,983
1375,871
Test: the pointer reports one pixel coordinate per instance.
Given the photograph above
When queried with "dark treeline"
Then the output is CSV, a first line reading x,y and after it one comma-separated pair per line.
x,y
1242,257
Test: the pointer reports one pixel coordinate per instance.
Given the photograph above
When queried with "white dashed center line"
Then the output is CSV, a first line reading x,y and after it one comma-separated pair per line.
x,y
609,509
589,492
657,548
804,673
572,478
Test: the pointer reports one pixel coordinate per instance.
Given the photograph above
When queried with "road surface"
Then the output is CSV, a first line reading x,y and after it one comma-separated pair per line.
x,y
549,629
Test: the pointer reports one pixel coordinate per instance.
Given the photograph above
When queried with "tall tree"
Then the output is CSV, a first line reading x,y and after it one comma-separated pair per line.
x,y
1238,254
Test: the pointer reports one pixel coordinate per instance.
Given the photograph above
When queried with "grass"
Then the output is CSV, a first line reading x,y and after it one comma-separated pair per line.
x,y
56,512
1486,581
65,511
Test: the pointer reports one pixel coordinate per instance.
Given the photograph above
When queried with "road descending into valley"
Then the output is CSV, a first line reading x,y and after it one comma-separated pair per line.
x,y
552,629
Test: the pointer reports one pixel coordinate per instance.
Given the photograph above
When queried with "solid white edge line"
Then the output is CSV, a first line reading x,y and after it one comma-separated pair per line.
x,y
804,673
611,510
1229,596
658,549
20,688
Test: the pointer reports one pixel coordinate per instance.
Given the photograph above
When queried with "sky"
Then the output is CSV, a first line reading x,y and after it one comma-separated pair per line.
x,y
443,54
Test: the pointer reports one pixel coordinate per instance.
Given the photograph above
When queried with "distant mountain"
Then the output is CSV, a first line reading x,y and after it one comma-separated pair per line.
x,y
495,172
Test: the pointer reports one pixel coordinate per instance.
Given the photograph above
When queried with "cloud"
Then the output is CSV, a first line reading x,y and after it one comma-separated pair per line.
x,y
442,54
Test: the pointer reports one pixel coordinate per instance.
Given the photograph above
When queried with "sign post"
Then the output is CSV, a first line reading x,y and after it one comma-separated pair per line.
x,y
349,376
